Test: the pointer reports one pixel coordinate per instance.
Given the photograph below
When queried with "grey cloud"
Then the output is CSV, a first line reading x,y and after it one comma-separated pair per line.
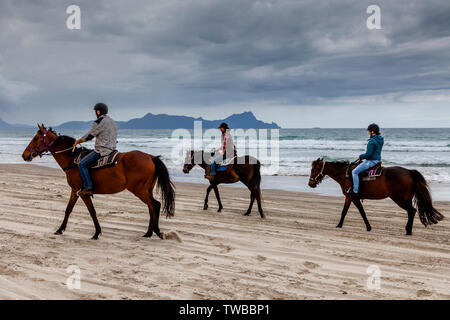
x,y
174,53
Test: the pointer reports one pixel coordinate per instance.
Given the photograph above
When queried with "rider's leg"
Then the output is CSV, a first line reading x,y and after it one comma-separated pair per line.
x,y
84,166
215,160
366,165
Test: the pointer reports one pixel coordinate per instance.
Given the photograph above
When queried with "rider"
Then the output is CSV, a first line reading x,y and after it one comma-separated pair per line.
x,y
104,129
372,155
227,148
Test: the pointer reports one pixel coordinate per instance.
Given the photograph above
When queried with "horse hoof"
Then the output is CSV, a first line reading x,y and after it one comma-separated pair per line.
x,y
58,232
205,208
339,226
220,210
94,238
369,228
160,235
147,235
247,214
263,216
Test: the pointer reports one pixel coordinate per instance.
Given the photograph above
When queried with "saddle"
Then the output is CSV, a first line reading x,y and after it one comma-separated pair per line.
x,y
370,174
223,166
109,160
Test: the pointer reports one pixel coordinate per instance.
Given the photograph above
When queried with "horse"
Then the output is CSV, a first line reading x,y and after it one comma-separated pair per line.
x,y
246,169
135,171
407,188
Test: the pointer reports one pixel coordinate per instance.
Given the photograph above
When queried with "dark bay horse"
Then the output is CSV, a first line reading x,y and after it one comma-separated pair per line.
x,y
135,171
407,188
247,171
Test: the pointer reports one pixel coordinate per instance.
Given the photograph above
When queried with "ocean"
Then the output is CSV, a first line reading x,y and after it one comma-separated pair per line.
x,y
427,150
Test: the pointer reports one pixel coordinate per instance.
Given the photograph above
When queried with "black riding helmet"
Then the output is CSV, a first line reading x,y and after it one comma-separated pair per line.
x,y
103,108
224,125
374,127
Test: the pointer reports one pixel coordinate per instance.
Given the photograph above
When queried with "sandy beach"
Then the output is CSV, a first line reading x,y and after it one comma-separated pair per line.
x,y
296,253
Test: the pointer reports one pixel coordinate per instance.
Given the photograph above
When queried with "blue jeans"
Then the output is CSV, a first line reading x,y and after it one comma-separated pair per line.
x,y
215,160
366,165
84,166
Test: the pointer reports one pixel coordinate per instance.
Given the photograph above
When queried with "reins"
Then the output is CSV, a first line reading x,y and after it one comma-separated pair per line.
x,y
70,148
321,175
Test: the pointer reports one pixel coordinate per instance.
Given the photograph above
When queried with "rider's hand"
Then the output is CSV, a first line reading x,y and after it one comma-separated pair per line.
x,y
77,142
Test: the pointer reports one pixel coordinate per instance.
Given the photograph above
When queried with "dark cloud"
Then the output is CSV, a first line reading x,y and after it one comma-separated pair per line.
x,y
171,54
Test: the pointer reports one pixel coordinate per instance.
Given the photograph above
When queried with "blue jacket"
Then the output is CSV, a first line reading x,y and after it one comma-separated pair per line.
x,y
374,148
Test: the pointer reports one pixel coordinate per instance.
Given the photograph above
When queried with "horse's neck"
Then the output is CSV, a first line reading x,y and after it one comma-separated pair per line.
x,y
63,159
335,172
203,165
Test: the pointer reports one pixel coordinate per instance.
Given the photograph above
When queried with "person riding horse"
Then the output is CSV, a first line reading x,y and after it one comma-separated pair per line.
x,y
227,149
104,129
372,156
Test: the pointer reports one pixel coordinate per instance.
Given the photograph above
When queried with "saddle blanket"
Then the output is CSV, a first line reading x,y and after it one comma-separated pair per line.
x,y
371,174
105,161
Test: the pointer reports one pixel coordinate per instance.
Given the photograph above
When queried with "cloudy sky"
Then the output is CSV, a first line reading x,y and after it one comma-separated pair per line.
x,y
300,63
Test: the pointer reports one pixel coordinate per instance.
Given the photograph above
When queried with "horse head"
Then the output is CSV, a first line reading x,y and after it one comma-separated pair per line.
x,y
40,144
317,173
193,158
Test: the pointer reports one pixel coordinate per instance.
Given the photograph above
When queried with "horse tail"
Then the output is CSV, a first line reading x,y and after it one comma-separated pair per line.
x,y
165,186
422,200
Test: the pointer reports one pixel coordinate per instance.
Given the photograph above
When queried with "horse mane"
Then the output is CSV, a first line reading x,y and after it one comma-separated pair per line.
x,y
337,162
340,162
65,139
69,141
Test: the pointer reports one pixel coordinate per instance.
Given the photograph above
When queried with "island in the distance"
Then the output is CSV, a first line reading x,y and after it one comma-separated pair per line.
x,y
243,120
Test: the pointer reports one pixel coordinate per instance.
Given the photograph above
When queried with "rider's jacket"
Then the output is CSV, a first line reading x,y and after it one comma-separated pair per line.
x,y
374,148
104,129
227,144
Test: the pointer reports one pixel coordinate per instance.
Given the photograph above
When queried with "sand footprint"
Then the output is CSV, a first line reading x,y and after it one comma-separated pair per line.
x,y
311,265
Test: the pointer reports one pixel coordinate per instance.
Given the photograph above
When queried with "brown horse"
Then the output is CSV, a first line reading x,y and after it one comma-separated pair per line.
x,y
135,171
407,188
246,169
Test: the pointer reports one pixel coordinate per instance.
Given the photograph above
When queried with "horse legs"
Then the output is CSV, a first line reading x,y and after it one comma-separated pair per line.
x,y
157,210
258,200
210,187
407,205
252,199
69,208
348,202
358,204
154,208
216,192
88,202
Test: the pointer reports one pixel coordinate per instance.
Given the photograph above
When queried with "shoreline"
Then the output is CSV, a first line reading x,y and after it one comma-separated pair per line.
x,y
439,191
295,253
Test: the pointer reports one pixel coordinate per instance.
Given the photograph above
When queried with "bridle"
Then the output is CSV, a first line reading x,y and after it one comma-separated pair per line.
x,y
38,151
46,147
320,176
